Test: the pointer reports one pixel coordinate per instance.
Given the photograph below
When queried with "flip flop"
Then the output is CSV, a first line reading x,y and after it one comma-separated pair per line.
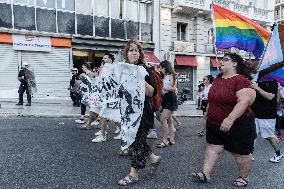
x,y
162,144
240,182
83,127
199,178
128,180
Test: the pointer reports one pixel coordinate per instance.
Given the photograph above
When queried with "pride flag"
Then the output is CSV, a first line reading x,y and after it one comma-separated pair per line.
x,y
276,75
235,30
273,53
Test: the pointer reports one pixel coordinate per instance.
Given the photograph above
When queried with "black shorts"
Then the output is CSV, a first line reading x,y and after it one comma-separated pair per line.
x,y
239,139
169,101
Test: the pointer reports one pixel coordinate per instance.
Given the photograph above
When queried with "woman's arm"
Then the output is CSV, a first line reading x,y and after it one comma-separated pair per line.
x,y
264,94
149,90
246,98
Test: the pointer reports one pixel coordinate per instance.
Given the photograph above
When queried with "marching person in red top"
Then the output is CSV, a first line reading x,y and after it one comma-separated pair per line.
x,y
230,121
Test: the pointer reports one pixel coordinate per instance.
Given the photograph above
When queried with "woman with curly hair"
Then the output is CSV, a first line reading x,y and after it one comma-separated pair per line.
x,y
139,150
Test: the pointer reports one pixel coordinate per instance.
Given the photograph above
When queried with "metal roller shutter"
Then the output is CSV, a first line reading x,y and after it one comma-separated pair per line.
x,y
52,71
8,72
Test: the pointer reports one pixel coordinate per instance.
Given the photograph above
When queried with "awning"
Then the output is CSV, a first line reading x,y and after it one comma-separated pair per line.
x,y
184,60
151,58
215,63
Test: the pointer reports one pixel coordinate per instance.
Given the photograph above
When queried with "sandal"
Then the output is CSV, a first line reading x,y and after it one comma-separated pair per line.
x,y
200,177
85,127
201,133
240,182
171,142
123,153
154,166
178,126
162,144
128,180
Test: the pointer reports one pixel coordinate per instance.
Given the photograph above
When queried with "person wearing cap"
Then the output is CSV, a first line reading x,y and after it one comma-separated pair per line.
x,y
74,87
24,85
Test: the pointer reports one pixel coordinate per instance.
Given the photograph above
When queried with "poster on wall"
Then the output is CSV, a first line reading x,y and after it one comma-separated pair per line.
x,y
31,43
185,80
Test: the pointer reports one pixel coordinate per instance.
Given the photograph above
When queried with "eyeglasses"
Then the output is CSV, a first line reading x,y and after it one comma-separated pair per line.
x,y
226,59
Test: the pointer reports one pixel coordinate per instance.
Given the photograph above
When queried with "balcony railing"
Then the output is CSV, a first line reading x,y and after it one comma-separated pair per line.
x,y
198,4
279,1
223,3
182,46
261,12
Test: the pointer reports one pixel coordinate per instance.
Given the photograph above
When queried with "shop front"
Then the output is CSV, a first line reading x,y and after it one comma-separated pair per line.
x,y
214,66
48,57
184,66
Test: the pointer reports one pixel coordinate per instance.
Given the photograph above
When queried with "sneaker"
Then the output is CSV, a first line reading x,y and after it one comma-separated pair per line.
x,y
152,134
95,123
99,133
276,159
118,137
117,130
80,121
99,138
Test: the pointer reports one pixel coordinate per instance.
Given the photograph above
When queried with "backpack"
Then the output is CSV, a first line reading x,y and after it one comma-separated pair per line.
x,y
157,98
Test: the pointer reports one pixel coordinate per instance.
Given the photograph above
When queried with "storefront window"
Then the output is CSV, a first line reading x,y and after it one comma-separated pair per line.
x,y
84,7
45,3
116,8
66,5
131,12
24,2
101,7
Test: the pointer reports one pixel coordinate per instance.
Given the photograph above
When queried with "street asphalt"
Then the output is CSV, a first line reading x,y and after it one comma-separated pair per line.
x,y
54,153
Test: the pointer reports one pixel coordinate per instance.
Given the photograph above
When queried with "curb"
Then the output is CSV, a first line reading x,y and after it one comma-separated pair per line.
x,y
17,115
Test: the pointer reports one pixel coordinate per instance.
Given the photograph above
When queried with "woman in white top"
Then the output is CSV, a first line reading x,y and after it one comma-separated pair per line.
x,y
169,103
207,81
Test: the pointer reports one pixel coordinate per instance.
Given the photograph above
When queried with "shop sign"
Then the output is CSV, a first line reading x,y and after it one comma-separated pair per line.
x,y
31,43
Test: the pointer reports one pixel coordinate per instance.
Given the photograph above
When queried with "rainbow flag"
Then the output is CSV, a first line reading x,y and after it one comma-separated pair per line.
x,y
235,30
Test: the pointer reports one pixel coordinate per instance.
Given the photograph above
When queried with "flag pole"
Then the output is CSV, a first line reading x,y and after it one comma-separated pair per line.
x,y
214,31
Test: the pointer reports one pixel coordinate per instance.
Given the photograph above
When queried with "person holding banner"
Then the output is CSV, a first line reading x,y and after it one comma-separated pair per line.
x,y
230,121
139,150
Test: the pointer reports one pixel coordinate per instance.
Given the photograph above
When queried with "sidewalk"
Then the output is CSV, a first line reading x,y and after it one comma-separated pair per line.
x,y
62,107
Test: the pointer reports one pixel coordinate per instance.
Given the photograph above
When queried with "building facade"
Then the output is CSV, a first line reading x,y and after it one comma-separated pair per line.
x,y
279,11
74,31
187,39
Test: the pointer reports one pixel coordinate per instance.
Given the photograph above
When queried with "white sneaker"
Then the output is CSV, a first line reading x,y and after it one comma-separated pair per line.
x,y
152,134
95,123
276,159
117,130
118,137
99,138
80,121
99,133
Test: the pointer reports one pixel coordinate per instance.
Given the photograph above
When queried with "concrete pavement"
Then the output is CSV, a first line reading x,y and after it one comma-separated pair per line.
x,y
62,107
53,153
